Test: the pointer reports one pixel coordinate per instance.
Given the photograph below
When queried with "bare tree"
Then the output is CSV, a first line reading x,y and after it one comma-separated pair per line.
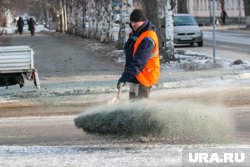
x,y
98,15
151,11
48,11
78,17
61,17
182,6
106,32
222,4
168,50
126,10
7,9
247,12
91,17
84,10
165,37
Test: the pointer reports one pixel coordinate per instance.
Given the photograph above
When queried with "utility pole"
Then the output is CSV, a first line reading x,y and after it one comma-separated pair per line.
x,y
239,11
214,44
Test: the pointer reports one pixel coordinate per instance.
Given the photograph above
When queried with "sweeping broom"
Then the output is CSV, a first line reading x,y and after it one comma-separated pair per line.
x,y
116,99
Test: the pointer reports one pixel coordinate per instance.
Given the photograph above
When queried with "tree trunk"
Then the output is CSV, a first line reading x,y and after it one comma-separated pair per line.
x,y
164,30
64,5
74,16
150,9
168,53
78,17
210,12
222,3
90,16
106,19
84,10
71,16
123,32
61,20
111,22
98,16
247,12
182,6
95,22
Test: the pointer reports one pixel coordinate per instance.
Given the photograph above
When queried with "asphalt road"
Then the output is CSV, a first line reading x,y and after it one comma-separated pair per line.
x,y
53,128
64,55
230,44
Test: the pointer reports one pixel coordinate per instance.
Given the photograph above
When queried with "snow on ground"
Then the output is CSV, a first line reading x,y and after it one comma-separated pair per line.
x,y
12,29
187,60
156,155
91,156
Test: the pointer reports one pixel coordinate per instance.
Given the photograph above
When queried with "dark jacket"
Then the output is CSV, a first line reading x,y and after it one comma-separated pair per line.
x,y
224,14
20,23
31,24
135,65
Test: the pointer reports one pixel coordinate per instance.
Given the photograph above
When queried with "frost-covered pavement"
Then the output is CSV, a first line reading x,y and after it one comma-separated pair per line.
x,y
150,155
91,156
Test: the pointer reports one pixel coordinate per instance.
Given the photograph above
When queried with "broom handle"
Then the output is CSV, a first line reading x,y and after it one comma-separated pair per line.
x,y
119,92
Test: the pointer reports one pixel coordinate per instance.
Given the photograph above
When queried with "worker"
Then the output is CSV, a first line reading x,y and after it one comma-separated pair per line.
x,y
142,67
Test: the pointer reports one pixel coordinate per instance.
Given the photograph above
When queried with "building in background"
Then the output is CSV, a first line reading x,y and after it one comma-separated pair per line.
x,y
203,11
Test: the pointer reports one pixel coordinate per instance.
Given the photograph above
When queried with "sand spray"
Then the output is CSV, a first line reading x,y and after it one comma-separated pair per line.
x,y
184,121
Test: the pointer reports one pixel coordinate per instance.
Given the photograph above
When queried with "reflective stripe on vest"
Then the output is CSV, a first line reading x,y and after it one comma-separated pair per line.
x,y
151,72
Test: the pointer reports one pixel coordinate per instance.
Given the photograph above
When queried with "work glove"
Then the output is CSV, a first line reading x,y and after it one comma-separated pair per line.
x,y
120,83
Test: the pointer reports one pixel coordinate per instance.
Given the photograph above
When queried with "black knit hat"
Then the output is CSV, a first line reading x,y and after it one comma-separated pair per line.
x,y
137,15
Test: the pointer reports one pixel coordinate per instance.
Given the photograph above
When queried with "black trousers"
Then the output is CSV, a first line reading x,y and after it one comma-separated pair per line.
x,y
138,91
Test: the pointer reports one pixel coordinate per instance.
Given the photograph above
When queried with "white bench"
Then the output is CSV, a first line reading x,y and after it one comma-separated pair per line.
x,y
16,62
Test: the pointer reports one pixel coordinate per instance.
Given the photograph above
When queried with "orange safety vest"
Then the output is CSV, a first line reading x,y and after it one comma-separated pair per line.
x,y
151,72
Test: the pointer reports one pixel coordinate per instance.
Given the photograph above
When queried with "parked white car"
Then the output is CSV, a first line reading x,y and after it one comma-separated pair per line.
x,y
187,30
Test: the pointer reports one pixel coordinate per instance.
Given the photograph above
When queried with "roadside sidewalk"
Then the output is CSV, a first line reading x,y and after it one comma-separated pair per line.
x,y
226,27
